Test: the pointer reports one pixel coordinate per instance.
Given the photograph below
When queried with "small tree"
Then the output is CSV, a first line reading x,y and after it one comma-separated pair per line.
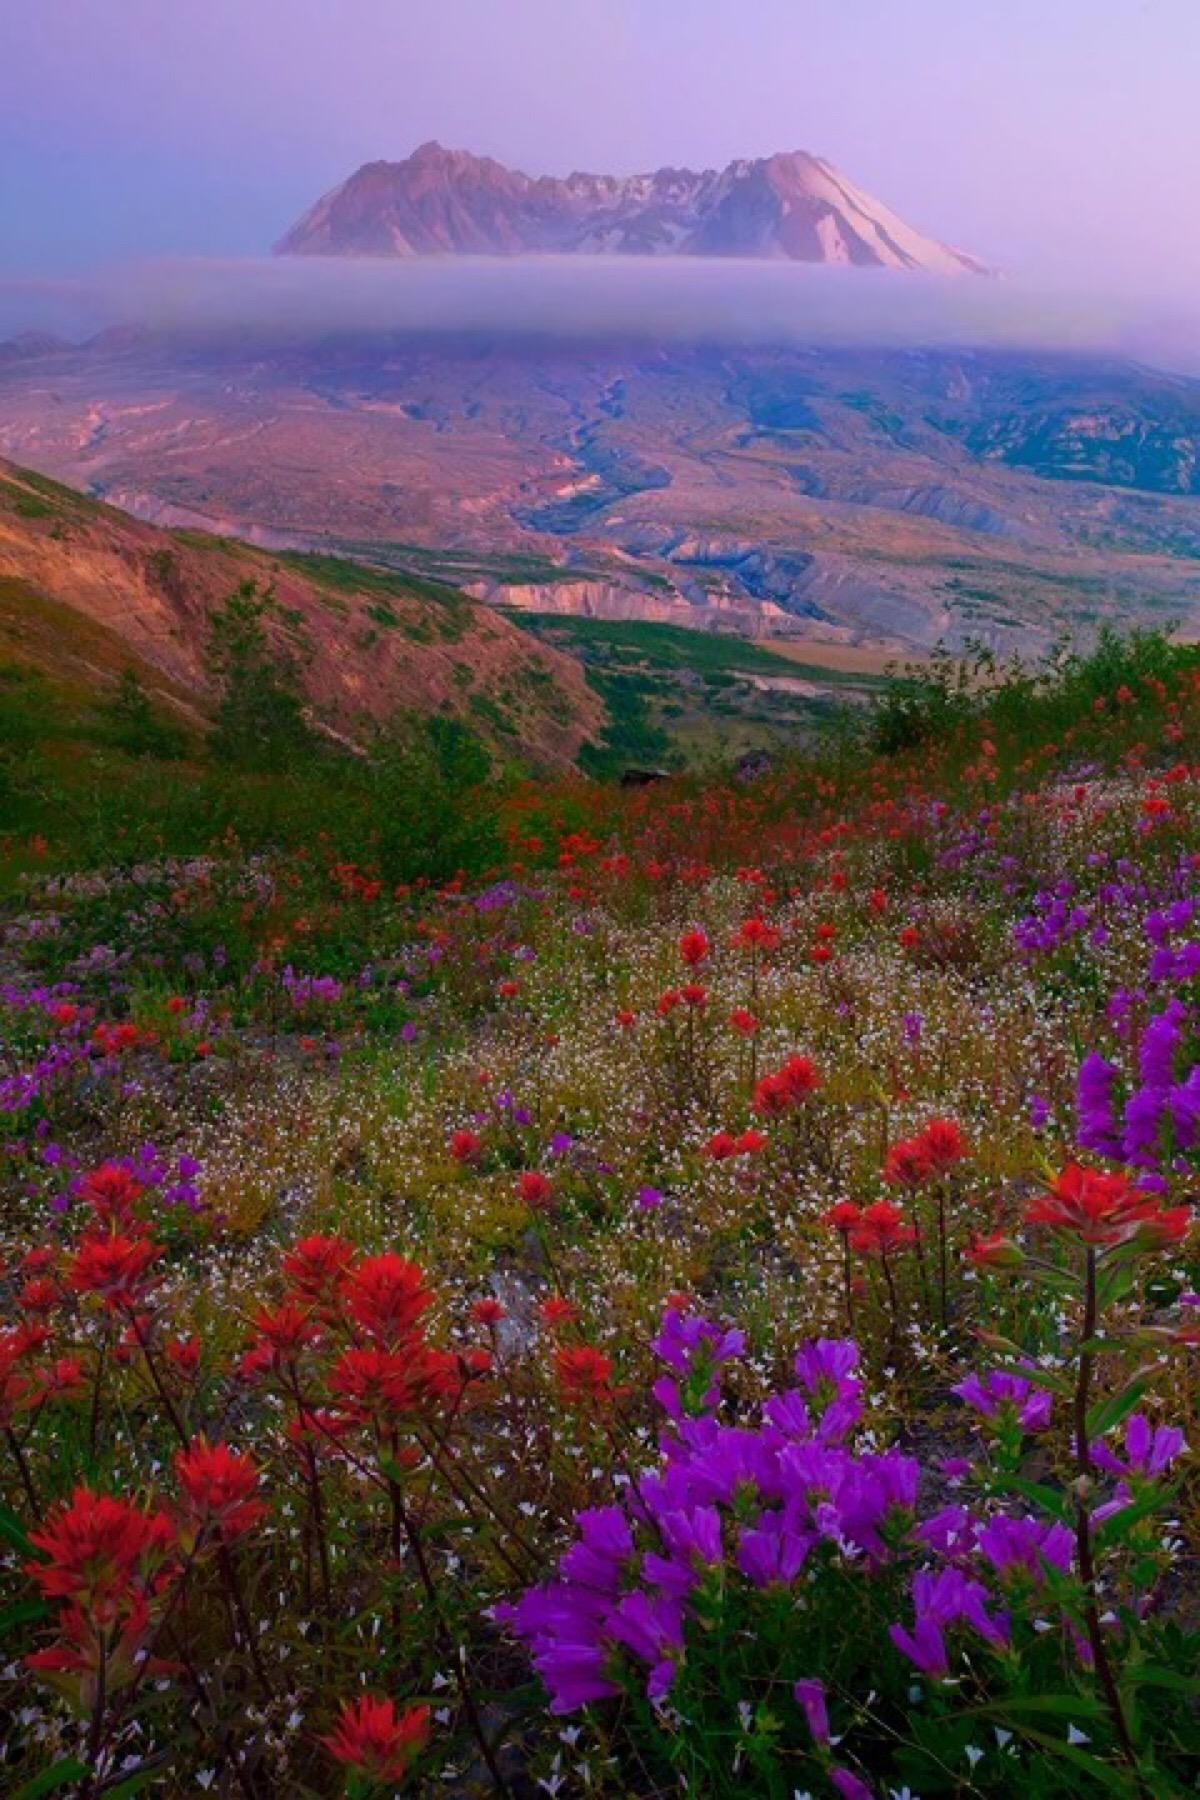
x,y
260,719
137,725
427,781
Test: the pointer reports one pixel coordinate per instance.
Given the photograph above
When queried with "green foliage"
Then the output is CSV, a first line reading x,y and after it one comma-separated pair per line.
x,y
942,700
137,725
260,719
421,798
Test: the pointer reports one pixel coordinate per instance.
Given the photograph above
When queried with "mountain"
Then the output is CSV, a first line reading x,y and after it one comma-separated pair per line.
x,y
86,591
791,206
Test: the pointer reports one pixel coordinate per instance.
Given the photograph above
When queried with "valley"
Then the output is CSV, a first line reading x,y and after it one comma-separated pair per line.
x,y
886,500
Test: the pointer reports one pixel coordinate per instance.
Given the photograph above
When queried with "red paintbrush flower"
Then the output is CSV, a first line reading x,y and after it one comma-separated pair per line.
x,y
488,1312
218,1486
376,1741
96,1548
558,1310
907,1164
787,1087
584,1374
313,1268
881,1228
392,1384
283,1332
112,1193
1107,1209
536,1189
693,947
386,1297
115,1267
943,1144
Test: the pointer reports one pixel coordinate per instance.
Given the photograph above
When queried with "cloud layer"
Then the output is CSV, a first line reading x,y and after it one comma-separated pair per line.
x,y
580,298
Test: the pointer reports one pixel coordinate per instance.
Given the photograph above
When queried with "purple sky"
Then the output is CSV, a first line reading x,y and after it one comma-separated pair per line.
x,y
1052,136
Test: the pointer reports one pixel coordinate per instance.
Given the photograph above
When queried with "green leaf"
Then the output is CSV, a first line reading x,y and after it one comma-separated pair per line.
x,y
1115,1780
51,1779
1118,1524
1107,1413
1045,1378
133,1784
1151,1675
22,1612
1050,1499
16,1534
1073,1706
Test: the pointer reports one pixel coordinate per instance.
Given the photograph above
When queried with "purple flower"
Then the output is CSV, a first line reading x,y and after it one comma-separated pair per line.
x,y
810,1695
1003,1388
1027,1544
1150,1449
849,1786
1096,1125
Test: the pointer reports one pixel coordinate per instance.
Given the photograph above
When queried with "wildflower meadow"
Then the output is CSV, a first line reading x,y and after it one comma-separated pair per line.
x,y
703,1299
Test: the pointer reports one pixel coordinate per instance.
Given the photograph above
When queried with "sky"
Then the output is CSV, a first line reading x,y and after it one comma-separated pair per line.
x,y
1057,138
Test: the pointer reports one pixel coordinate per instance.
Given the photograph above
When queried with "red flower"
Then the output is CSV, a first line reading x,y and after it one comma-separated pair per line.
x,y
283,1332
694,994
943,1144
62,1379
97,1547
113,1267
787,1087
584,1374
488,1312
756,934
750,1142
845,1216
218,1488
881,1228
667,1002
910,937
112,1193
626,1018
1107,1209
386,1297
40,1296
536,1189
558,1310
743,1021
465,1145
995,1252
372,1738
720,1146
184,1354
314,1267
507,989
693,947
392,1384
907,1164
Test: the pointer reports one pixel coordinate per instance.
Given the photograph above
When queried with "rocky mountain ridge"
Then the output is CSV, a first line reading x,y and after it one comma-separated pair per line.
x,y
792,205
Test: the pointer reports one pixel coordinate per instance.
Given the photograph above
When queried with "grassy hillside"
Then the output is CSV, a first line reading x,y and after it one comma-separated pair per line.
x,y
369,643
